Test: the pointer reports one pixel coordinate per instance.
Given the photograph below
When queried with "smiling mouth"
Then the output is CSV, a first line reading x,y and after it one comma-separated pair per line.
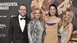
x,y
52,12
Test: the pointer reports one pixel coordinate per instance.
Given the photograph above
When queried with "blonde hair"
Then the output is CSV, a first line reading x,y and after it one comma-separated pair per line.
x,y
71,15
62,27
41,15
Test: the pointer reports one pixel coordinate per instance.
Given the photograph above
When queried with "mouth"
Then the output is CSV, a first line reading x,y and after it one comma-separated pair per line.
x,y
52,12
66,18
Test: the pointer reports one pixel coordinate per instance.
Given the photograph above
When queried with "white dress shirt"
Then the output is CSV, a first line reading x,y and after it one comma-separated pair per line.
x,y
22,23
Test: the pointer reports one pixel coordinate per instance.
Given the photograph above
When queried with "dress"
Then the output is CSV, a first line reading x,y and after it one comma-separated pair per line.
x,y
51,33
63,34
36,31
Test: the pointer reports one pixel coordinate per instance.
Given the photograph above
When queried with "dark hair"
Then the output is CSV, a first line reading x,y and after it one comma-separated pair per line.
x,y
56,14
22,5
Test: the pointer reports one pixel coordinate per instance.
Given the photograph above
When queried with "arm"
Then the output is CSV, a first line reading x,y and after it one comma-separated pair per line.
x,y
69,33
59,26
75,32
10,31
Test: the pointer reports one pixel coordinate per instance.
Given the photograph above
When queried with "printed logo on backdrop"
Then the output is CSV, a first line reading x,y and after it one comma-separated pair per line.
x,y
8,9
4,18
6,5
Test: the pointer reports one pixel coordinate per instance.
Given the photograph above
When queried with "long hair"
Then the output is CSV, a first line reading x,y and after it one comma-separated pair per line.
x,y
71,15
41,14
56,14
62,27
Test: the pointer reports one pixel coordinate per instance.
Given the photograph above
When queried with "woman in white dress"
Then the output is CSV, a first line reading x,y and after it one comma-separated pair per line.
x,y
66,27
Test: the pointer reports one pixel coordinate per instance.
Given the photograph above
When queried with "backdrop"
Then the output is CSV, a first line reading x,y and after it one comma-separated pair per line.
x,y
9,8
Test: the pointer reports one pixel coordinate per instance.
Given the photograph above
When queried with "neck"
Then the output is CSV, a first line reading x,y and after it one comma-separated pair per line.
x,y
52,16
21,15
36,19
66,22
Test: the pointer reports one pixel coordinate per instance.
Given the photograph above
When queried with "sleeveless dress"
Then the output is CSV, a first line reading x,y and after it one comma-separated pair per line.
x,y
35,31
63,34
51,34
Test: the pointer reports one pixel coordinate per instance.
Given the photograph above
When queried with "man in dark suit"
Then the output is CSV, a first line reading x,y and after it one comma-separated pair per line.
x,y
18,26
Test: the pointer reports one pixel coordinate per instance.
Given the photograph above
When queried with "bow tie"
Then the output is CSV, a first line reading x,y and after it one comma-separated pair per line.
x,y
23,18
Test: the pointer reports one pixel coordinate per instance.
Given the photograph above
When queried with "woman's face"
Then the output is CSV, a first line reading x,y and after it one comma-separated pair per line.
x,y
37,14
52,10
67,15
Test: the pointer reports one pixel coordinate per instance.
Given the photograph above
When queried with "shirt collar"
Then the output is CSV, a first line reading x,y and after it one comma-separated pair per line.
x,y
21,16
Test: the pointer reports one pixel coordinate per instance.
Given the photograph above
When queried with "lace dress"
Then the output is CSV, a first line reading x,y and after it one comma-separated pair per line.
x,y
36,31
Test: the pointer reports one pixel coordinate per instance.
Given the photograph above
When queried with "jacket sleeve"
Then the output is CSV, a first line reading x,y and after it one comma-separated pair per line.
x,y
10,31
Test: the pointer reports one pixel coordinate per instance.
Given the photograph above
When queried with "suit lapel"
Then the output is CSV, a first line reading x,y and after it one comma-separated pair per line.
x,y
26,22
18,23
25,25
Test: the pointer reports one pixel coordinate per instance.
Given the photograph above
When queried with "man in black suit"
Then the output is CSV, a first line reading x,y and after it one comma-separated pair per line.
x,y
18,26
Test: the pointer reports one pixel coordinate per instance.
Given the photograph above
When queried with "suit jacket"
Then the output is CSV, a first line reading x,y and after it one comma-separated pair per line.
x,y
15,33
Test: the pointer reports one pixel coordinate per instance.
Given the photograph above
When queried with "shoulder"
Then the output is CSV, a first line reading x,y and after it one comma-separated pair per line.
x,y
58,19
28,19
13,18
70,25
31,22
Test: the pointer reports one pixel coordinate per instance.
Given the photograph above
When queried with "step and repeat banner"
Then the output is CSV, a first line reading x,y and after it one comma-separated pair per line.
x,y
9,8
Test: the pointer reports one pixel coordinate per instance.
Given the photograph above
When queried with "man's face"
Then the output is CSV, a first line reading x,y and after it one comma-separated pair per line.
x,y
22,10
